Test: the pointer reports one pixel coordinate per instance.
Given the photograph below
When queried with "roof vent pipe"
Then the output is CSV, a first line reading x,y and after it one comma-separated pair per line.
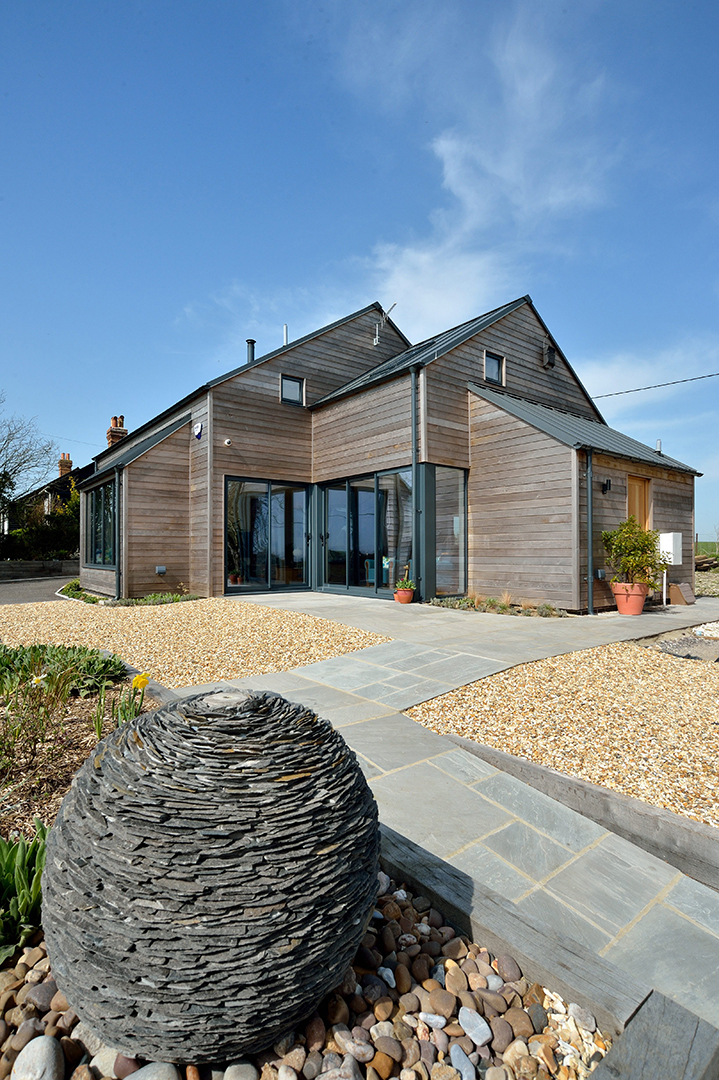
x,y
286,340
659,446
250,349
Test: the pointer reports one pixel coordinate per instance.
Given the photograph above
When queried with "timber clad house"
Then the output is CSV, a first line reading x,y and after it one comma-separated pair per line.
x,y
339,459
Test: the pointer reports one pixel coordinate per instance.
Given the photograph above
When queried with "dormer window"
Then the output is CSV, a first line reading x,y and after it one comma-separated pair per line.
x,y
494,368
292,391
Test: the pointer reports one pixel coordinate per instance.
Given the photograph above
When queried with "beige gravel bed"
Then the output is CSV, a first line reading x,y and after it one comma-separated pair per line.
x,y
635,720
189,643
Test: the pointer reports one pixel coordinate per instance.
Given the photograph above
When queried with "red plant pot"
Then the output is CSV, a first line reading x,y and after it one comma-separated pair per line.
x,y
629,597
404,596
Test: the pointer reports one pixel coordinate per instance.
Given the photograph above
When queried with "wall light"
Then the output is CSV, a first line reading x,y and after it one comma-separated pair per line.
x,y
606,486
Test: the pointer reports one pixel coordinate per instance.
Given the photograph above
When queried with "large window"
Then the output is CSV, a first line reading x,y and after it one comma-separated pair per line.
x,y
266,534
367,534
100,525
451,546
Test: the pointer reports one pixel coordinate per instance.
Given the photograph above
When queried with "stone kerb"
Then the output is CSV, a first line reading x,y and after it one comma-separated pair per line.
x,y
210,876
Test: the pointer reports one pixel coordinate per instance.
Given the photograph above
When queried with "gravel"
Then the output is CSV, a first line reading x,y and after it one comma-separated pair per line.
x,y
188,644
707,583
633,719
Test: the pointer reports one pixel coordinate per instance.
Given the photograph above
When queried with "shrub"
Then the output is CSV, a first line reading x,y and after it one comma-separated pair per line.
x,y
21,866
633,554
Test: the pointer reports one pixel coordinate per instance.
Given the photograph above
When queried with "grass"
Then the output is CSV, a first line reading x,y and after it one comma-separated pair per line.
x,y
75,590
505,605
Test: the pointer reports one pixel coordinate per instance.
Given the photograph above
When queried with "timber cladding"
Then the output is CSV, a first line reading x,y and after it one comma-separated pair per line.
x,y
157,489
671,509
369,431
518,337
520,509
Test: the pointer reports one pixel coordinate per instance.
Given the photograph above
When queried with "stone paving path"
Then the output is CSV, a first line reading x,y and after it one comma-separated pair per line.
x,y
551,862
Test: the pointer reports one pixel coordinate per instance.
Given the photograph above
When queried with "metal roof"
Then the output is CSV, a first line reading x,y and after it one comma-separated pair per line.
x,y
136,450
432,348
424,352
577,432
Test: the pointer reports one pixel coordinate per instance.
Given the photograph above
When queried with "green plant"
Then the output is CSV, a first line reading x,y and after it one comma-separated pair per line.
x,y
75,590
129,704
633,554
21,866
99,717
405,583
152,599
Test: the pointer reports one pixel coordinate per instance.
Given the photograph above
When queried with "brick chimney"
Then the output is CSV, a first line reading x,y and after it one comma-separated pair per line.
x,y
116,430
64,464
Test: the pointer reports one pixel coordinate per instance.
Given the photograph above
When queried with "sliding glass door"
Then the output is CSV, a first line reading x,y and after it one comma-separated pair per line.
x,y
265,534
366,531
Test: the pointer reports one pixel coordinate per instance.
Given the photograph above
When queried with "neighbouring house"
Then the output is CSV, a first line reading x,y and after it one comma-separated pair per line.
x,y
339,459
50,495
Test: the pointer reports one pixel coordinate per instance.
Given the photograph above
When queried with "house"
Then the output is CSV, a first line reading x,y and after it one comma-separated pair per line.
x,y
337,460
50,495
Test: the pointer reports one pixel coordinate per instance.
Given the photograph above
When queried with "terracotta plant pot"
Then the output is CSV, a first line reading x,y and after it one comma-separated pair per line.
x,y
404,596
234,578
629,597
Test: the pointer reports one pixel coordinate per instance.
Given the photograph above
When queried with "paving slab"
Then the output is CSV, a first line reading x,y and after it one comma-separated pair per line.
x,y
582,883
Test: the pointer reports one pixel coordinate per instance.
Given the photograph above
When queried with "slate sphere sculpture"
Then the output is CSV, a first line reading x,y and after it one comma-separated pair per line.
x,y
210,876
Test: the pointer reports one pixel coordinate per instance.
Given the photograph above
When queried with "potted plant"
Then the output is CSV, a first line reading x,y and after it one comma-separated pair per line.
x,y
633,554
404,590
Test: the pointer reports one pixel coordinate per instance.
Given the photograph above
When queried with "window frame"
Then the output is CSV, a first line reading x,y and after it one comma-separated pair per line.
x,y
292,379
95,508
502,368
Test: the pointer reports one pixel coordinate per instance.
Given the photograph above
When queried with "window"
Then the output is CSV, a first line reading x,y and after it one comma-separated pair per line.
x,y
292,391
100,525
494,368
265,534
451,527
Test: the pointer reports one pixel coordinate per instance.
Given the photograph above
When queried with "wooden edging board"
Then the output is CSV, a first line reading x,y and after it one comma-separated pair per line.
x,y
654,1036
688,845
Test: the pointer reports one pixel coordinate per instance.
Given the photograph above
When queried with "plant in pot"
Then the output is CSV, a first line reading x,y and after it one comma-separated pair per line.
x,y
633,554
404,590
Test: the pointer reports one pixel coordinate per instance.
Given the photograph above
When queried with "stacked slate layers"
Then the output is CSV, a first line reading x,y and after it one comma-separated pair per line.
x,y
210,876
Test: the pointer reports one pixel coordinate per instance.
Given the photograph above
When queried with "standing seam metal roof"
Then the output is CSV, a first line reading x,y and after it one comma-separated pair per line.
x,y
577,432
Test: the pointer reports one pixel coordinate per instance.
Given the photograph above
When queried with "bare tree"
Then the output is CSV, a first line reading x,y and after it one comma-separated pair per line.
x,y
27,458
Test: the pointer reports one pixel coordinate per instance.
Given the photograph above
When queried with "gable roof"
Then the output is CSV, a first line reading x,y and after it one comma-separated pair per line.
x,y
185,401
577,432
432,348
131,453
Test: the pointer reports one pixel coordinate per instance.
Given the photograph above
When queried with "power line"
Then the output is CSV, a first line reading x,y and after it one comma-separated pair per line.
x,y
656,386
63,438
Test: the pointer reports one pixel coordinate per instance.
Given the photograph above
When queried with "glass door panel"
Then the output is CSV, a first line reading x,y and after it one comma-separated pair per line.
x,y
362,561
289,530
335,535
395,525
451,578
247,533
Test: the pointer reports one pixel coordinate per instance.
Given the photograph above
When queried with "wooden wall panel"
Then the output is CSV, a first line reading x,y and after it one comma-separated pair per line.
x,y
518,337
158,516
671,509
520,509
97,580
364,433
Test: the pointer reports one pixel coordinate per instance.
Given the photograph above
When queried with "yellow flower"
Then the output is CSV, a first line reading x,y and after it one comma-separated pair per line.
x,y
140,681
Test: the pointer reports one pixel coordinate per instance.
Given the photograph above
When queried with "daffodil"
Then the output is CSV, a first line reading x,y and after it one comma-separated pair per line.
x,y
140,681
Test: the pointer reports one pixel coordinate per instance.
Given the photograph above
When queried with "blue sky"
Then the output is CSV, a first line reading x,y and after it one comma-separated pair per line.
x,y
179,176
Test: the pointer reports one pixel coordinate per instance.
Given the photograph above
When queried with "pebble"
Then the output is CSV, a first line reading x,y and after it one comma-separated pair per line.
x,y
387,1045
385,1029
495,982
41,1059
432,1020
88,1038
520,1022
475,1026
496,1072
584,1018
440,1071
538,1016
502,1034
104,1062
461,1062
387,976
28,1030
442,1003
158,1070
310,1070
285,1073
508,968
516,1050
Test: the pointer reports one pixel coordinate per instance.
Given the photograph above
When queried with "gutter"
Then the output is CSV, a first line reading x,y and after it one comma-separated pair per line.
x,y
415,485
590,532
118,531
